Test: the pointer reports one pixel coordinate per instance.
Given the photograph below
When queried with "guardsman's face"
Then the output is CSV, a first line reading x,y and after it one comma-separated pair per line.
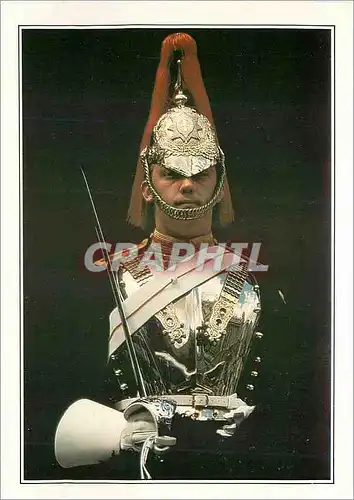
x,y
180,191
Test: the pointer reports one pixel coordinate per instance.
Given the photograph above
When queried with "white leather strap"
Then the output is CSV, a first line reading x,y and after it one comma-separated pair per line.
x,y
164,288
194,400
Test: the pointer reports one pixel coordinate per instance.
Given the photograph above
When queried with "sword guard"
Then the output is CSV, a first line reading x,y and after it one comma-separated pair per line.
x,y
165,441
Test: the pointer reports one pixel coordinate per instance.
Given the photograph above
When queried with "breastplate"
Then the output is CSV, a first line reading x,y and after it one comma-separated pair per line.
x,y
197,344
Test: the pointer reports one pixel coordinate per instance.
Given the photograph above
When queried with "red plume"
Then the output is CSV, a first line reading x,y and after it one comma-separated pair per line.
x,y
192,78
158,107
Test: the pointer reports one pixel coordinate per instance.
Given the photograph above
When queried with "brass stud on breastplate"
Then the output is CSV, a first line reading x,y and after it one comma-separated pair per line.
x,y
257,359
254,373
250,387
259,335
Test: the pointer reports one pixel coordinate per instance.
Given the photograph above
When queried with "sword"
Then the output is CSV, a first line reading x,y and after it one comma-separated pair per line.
x,y
117,298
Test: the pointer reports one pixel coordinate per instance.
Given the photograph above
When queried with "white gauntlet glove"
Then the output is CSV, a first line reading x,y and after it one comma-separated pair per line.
x,y
146,418
91,433
140,426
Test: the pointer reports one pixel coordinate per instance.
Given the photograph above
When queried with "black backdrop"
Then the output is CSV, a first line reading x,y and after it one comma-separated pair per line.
x,y
86,96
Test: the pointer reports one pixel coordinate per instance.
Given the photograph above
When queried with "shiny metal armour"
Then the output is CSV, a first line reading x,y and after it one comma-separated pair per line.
x,y
180,352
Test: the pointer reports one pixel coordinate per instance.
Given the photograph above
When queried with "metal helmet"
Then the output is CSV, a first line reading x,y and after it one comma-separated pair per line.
x,y
180,137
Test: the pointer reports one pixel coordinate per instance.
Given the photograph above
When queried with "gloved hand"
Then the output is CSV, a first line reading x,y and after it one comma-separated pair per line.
x,y
141,431
140,425
144,419
234,419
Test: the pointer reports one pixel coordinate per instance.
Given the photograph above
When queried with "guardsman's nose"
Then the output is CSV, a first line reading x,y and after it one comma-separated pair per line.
x,y
186,185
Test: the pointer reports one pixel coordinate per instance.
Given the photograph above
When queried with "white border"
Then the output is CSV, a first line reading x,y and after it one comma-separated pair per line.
x,y
175,14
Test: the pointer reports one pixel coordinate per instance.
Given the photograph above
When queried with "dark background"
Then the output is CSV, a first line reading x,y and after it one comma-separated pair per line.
x,y
86,96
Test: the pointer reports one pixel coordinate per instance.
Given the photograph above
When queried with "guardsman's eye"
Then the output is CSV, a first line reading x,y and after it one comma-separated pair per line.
x,y
170,174
200,176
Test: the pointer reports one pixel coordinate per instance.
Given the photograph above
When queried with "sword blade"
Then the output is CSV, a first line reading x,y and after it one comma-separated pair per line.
x,y
117,297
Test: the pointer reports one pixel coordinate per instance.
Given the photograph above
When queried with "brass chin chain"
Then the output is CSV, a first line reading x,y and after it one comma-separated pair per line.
x,y
183,213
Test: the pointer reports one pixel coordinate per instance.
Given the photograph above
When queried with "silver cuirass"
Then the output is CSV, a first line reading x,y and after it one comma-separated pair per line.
x,y
197,344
